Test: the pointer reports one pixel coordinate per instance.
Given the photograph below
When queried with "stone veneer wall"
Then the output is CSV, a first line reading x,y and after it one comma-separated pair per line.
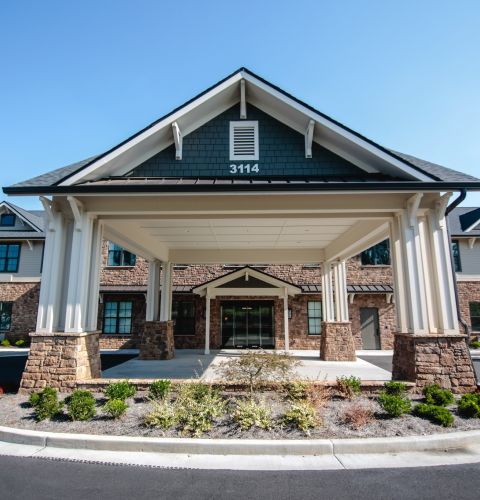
x,y
24,310
468,291
157,341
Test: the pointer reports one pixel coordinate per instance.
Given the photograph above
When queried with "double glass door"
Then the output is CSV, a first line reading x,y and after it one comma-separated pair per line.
x,y
247,324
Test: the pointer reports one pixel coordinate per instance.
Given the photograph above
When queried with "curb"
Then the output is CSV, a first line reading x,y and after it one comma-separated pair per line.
x,y
309,447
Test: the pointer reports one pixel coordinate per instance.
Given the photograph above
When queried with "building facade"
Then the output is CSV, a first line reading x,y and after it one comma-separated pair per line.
x,y
247,210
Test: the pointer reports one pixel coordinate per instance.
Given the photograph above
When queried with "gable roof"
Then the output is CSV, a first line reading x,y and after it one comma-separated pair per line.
x,y
464,221
33,219
117,161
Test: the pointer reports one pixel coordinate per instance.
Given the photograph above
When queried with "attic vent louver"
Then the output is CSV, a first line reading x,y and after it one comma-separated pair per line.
x,y
244,140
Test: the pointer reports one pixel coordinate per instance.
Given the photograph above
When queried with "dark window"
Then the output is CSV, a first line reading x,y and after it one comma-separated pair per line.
x,y
183,314
117,256
7,220
475,316
5,316
456,256
378,255
314,309
9,257
117,317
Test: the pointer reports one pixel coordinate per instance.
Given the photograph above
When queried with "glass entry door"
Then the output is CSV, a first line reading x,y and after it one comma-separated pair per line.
x,y
247,324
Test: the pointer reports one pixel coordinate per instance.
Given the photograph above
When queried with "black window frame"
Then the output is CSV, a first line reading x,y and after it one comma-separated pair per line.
x,y
475,324
117,317
310,317
374,256
186,327
2,220
119,254
457,259
5,269
6,307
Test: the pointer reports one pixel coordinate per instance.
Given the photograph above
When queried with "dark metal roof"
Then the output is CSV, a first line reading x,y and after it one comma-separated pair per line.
x,y
44,183
368,289
141,288
461,218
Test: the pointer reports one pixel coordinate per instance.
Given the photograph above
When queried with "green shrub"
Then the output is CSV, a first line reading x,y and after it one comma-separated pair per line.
x,y
115,408
81,405
250,414
437,414
434,395
296,390
120,390
394,405
301,415
469,405
162,415
349,387
475,344
394,388
20,343
46,403
196,407
5,343
160,389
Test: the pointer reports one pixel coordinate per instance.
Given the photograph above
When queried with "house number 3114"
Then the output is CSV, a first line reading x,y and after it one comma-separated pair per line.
x,y
244,169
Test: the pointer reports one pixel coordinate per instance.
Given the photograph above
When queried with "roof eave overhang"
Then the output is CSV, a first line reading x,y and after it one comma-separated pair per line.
x,y
213,188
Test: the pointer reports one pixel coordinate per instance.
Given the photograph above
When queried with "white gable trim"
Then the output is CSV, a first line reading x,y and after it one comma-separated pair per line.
x,y
109,164
9,207
244,271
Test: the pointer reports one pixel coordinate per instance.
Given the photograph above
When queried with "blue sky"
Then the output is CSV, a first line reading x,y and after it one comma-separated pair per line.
x,y
79,77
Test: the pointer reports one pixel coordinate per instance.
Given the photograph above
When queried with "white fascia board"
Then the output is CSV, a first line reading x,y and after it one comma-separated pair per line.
x,y
152,130
339,130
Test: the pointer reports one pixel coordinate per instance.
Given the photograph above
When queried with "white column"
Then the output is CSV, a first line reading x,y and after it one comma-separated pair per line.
x,y
153,290
79,274
327,293
285,320
207,322
52,272
166,298
400,286
94,285
341,296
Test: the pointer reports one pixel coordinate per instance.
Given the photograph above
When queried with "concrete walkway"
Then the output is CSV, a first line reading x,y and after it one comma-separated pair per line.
x,y
192,363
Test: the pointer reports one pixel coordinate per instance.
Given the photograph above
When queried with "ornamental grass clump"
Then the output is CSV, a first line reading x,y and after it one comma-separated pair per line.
x,y
46,404
255,368
115,408
469,405
160,389
251,414
120,390
436,414
301,415
349,387
81,405
435,395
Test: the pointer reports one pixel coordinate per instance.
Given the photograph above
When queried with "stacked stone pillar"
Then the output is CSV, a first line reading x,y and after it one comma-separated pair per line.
x,y
429,347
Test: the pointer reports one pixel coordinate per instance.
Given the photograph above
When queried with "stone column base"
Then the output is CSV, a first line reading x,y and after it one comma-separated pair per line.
x,y
434,359
157,340
336,343
60,359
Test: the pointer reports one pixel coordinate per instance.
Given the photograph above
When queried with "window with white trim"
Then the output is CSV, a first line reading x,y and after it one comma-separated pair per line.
x,y
244,140
314,309
475,316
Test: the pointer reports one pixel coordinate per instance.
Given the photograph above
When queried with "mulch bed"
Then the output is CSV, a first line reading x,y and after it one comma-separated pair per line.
x,y
16,412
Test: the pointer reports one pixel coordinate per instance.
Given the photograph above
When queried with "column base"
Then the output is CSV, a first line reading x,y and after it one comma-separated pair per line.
x,y
60,359
337,343
157,341
434,359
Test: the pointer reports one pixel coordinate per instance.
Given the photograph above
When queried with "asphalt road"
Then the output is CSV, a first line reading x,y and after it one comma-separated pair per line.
x,y
30,478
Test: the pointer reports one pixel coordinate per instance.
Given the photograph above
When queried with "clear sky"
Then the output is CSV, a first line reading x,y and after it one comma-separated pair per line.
x,y
79,77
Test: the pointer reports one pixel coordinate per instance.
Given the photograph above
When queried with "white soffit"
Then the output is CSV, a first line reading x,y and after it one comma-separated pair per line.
x,y
273,102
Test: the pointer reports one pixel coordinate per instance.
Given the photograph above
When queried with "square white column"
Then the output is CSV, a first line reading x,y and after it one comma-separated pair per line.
x,y
327,293
166,297
153,291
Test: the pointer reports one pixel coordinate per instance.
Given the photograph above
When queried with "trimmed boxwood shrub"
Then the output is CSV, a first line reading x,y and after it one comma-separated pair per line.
x,y
437,414
115,408
469,405
160,389
46,403
394,405
435,395
475,344
394,388
120,390
81,405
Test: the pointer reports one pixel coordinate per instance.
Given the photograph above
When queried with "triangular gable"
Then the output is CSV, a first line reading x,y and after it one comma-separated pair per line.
x,y
247,273
469,221
32,221
302,118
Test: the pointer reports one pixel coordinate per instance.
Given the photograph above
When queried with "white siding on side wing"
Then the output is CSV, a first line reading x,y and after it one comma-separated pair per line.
x,y
30,262
469,257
